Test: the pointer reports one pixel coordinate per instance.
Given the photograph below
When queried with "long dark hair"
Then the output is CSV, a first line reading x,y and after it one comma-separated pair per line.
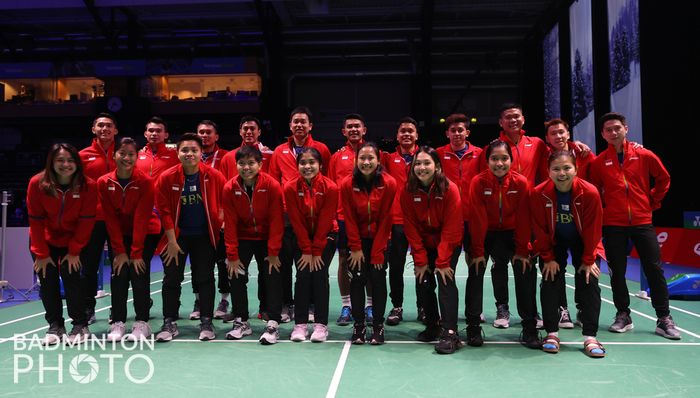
x,y
440,182
49,179
358,179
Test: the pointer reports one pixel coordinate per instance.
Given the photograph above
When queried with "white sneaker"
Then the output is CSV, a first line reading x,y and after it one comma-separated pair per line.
x,y
239,329
502,320
140,330
54,335
116,331
78,334
299,332
271,334
320,333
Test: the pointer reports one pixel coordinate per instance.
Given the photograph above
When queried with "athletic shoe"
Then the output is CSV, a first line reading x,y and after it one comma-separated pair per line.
x,y
449,342
240,328
194,315
421,315
116,331
78,334
539,323
221,309
395,316
359,331
320,333
430,333
206,330
377,335
482,318
168,331
667,328
530,338
474,336
578,322
369,315
565,319
502,320
622,323
55,334
299,332
90,316
271,334
345,316
140,330
287,313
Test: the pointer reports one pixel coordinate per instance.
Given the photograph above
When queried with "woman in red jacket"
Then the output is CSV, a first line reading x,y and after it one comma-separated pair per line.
x,y
567,215
312,204
188,198
500,229
127,198
433,225
253,213
61,204
367,196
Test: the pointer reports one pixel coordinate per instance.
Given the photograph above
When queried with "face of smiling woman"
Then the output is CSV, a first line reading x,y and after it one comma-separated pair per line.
x,y
424,168
367,161
125,158
65,166
308,166
499,161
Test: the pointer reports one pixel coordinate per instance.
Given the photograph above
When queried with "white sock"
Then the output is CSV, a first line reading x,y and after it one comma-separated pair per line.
x,y
224,296
589,337
345,300
368,301
555,334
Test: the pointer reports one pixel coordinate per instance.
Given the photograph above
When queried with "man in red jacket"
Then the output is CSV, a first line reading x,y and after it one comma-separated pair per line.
x,y
188,197
156,157
250,129
283,167
623,175
98,160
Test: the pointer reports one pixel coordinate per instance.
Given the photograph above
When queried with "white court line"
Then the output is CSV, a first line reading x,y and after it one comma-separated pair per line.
x,y
3,340
64,307
335,381
691,313
642,314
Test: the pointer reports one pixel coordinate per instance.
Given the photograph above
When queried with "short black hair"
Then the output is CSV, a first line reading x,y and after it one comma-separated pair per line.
x,y
508,105
210,123
157,120
249,118
456,118
104,115
301,109
612,116
407,119
355,116
189,137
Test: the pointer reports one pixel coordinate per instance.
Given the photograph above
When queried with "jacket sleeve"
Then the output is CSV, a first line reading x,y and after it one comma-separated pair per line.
x,y
662,180
592,224
163,203
86,221
523,232
385,221
326,217
452,227
231,221
411,230
540,225
142,214
37,220
352,229
112,221
274,242
478,220
274,168
296,218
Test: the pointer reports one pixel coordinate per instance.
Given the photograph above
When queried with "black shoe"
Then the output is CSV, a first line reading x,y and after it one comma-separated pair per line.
x,y
449,342
530,338
359,330
431,333
395,316
474,336
377,335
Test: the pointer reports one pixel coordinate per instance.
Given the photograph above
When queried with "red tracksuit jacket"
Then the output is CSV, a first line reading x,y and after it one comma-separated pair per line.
x,y
96,163
62,221
128,210
397,167
434,221
253,218
312,210
368,216
586,210
214,160
283,164
460,171
154,165
628,198
169,187
228,163
499,206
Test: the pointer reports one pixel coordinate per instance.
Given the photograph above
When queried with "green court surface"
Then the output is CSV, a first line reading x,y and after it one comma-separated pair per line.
x,y
638,363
